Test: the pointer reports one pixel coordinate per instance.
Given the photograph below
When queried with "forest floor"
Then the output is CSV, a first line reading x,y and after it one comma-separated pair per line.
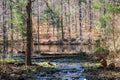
x,y
95,71
92,69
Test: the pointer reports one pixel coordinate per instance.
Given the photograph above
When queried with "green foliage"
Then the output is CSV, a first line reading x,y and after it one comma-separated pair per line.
x,y
82,54
99,47
113,8
107,23
68,15
105,19
52,16
17,4
19,21
45,64
99,50
19,17
82,0
22,30
9,60
97,5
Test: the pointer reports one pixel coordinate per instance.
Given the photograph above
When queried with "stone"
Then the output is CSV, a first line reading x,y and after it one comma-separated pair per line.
x,y
111,66
21,78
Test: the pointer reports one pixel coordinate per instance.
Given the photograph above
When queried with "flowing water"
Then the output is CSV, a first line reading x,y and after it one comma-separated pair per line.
x,y
64,70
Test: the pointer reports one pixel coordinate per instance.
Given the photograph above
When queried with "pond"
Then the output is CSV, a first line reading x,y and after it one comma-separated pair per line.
x,y
62,49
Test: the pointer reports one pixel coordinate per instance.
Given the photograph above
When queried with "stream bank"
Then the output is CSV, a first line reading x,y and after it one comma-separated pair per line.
x,y
55,69
58,69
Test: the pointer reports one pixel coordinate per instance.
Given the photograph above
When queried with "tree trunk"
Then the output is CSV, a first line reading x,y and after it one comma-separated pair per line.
x,y
105,25
11,26
4,30
113,30
66,20
29,33
53,7
90,15
90,21
69,30
80,19
62,20
75,19
38,23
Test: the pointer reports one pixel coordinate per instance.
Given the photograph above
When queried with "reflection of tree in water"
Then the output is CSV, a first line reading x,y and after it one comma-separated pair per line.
x,y
48,48
73,47
62,48
84,48
78,48
69,48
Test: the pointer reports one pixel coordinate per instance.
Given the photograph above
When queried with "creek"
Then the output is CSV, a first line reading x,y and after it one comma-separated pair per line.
x,y
65,69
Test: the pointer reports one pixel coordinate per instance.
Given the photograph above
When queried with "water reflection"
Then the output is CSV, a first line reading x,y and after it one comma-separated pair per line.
x,y
16,49
64,48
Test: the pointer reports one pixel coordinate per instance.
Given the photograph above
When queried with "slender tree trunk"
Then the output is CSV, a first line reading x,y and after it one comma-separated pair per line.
x,y
113,35
75,19
69,30
29,33
57,32
90,15
53,24
105,25
113,29
38,23
65,17
104,12
80,18
85,14
90,21
11,25
62,20
4,29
